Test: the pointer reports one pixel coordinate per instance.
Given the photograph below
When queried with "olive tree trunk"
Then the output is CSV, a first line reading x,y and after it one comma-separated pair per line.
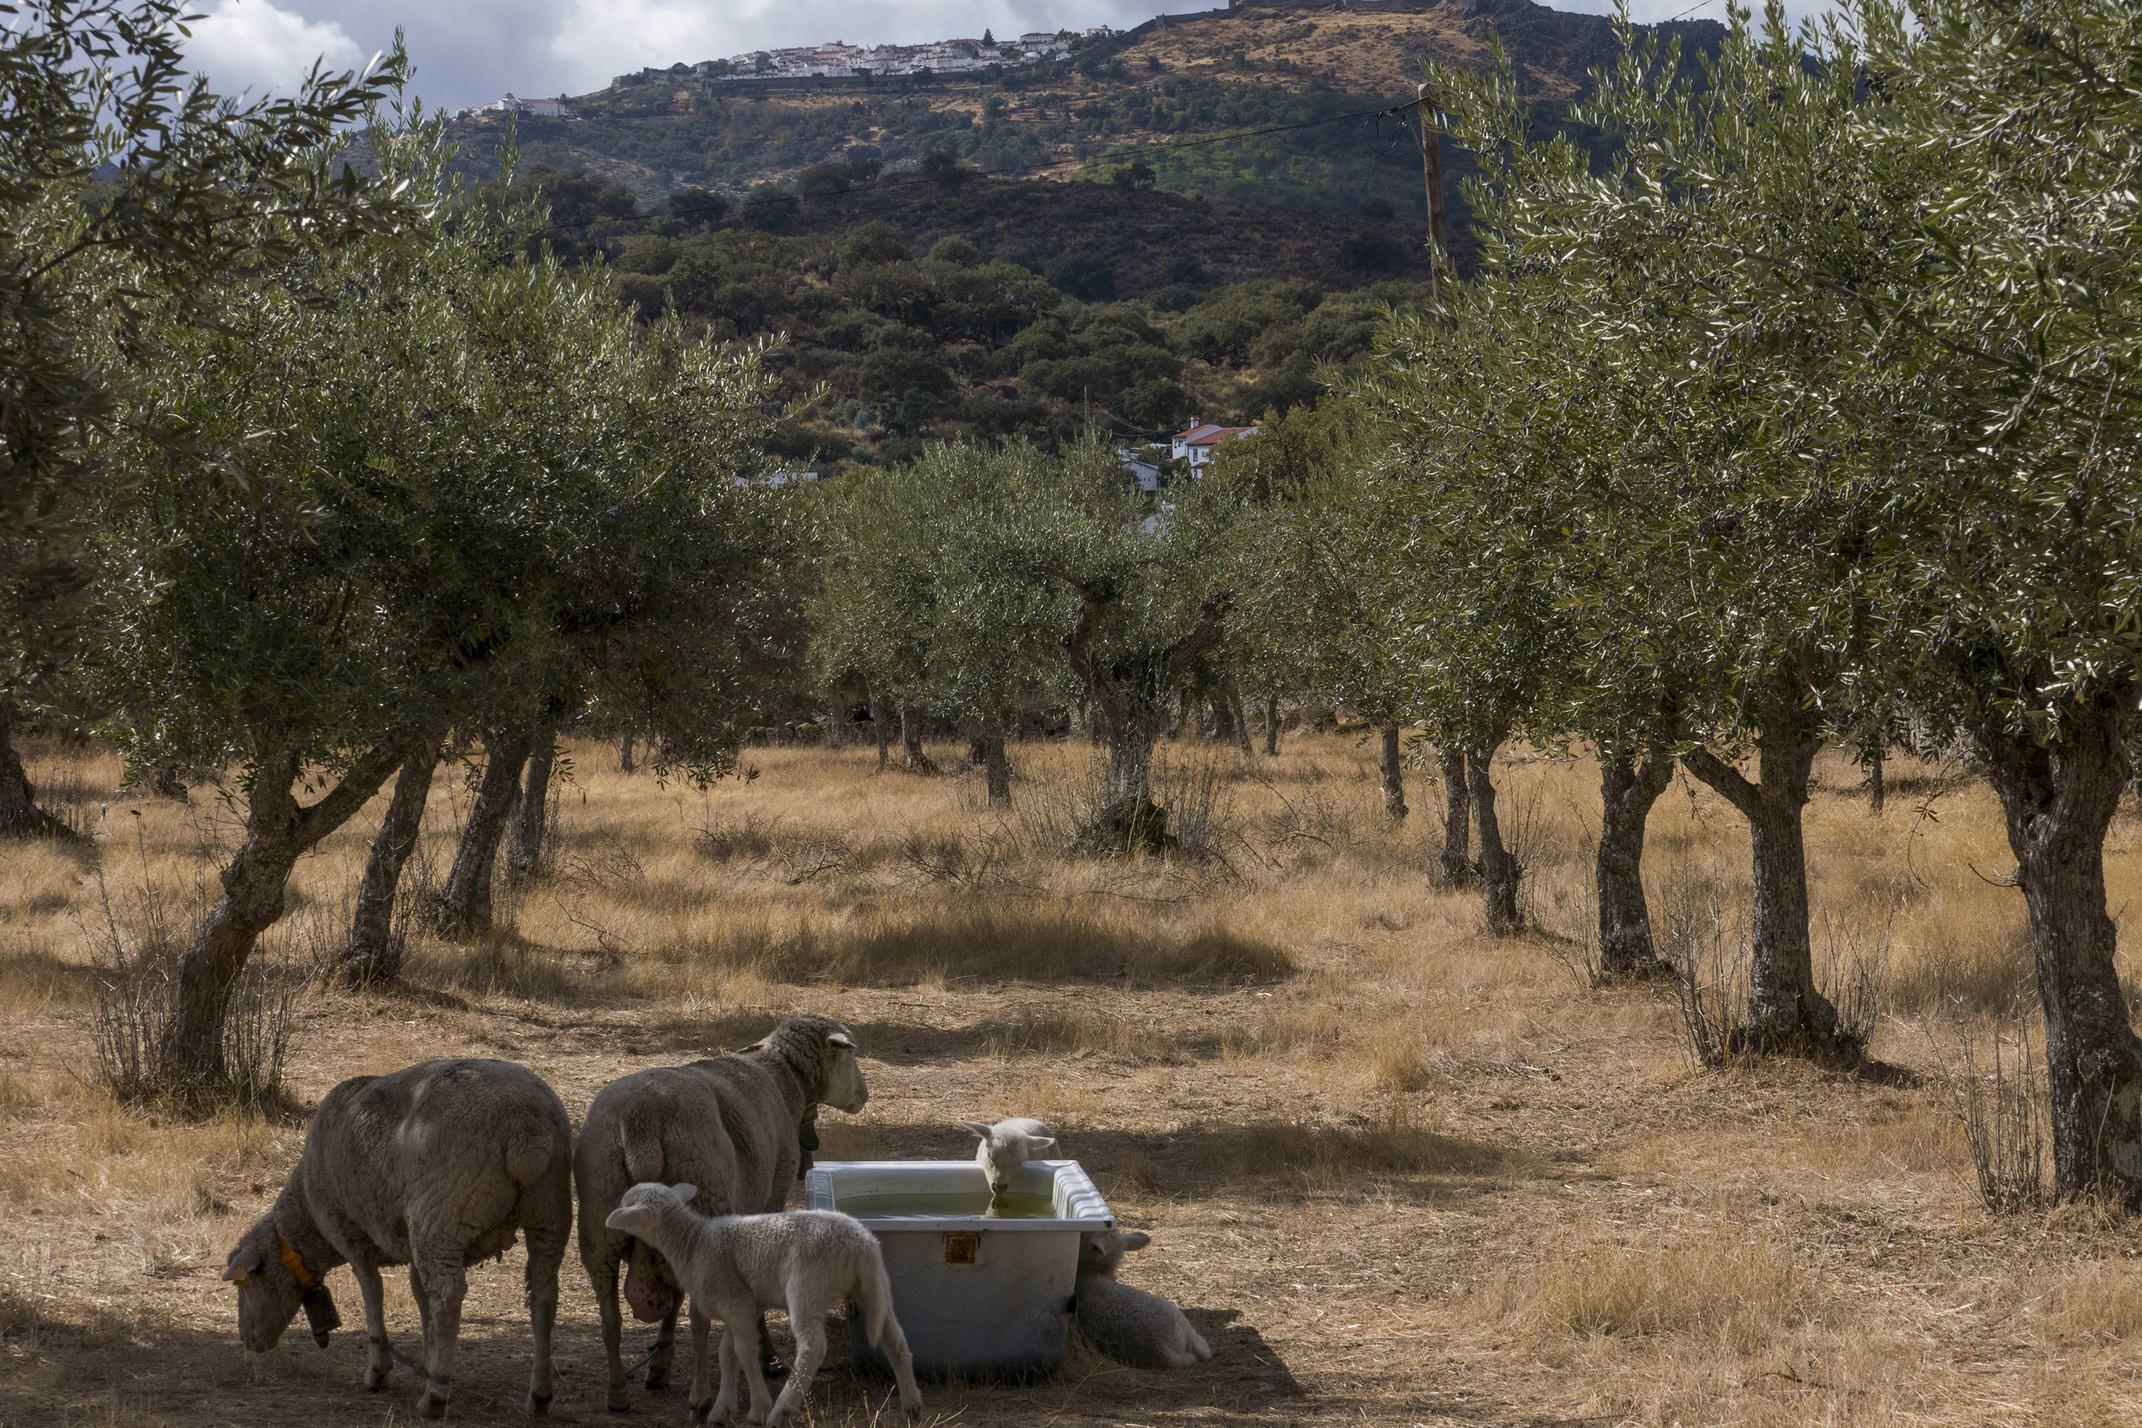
x,y
1628,790
531,816
1271,724
914,758
1500,870
20,817
465,907
1454,867
374,955
996,764
627,760
1786,1011
278,831
2058,801
881,726
1129,699
1391,768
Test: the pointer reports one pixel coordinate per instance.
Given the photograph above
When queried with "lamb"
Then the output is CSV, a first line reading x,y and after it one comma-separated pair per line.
x,y
735,1126
436,1167
1130,1325
1006,1146
810,1263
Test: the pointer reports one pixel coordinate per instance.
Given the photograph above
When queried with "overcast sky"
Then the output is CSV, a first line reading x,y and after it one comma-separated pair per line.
x,y
470,51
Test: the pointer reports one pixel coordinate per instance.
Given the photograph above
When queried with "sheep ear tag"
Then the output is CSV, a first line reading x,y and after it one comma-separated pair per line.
x,y
842,1040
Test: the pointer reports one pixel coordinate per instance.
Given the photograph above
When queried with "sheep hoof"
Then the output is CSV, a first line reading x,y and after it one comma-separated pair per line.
x,y
431,1405
703,1412
375,1376
538,1404
620,1401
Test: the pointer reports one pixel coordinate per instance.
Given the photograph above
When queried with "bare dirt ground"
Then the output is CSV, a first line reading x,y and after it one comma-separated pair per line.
x,y
1397,1172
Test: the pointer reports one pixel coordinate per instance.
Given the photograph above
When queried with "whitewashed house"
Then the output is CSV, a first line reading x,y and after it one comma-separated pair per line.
x,y
1195,445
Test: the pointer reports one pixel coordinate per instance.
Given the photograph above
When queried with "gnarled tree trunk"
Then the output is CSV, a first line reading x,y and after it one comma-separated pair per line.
x,y
626,760
1786,1012
1628,790
531,816
996,764
20,817
914,758
465,907
278,831
2058,802
1271,724
1391,769
374,956
1454,867
1499,868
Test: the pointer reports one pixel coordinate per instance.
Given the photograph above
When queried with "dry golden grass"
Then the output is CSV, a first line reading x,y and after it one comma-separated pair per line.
x,y
1396,1171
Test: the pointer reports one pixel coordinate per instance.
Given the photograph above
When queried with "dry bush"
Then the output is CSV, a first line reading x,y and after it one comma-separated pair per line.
x,y
1706,939
1739,1290
1204,826
135,952
2001,1106
746,838
1063,1031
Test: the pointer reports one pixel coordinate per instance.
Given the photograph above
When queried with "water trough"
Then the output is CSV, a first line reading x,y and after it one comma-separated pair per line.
x,y
982,1288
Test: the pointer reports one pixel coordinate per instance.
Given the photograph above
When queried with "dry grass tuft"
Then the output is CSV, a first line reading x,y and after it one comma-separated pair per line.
x,y
1739,1290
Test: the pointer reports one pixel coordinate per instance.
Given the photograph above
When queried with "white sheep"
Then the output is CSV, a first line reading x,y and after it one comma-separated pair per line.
x,y
1006,1146
1130,1325
738,1126
809,1262
437,1167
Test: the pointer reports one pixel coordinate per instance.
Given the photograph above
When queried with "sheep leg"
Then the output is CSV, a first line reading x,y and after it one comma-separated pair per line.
x,y
665,1349
697,1398
448,1284
546,1251
740,1333
602,1277
810,1331
725,1401
893,1344
377,1364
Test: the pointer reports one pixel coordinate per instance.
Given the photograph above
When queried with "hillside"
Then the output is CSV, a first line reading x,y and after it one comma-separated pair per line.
x,y
1263,65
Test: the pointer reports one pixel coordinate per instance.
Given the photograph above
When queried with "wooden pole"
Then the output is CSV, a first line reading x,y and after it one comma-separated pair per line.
x,y
1432,179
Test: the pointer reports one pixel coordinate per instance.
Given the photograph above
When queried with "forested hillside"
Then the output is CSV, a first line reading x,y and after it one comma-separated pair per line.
x,y
894,332
1261,67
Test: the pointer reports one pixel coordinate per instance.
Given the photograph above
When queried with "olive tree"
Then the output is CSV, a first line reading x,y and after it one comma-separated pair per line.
x,y
2011,530
127,193
393,547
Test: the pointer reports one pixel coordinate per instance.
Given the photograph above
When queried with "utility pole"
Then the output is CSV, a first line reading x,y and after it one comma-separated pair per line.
x,y
1432,177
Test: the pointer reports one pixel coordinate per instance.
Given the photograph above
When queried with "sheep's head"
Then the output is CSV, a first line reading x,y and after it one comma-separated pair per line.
x,y
1100,1251
270,1292
643,1205
820,1047
1004,1148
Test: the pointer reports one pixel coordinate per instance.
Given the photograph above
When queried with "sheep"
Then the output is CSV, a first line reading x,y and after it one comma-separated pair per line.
x,y
734,1125
1130,1325
809,1262
1006,1146
435,1166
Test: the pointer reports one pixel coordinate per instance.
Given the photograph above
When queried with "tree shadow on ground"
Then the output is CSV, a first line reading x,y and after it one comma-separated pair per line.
x,y
1283,1162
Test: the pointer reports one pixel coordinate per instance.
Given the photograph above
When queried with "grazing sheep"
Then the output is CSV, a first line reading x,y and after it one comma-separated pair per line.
x,y
736,1126
810,1263
435,1167
1130,1325
1006,1146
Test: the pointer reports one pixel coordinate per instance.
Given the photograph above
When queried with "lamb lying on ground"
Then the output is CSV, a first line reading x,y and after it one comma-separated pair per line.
x,y
1006,1146
809,1263
1130,1325
434,1167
